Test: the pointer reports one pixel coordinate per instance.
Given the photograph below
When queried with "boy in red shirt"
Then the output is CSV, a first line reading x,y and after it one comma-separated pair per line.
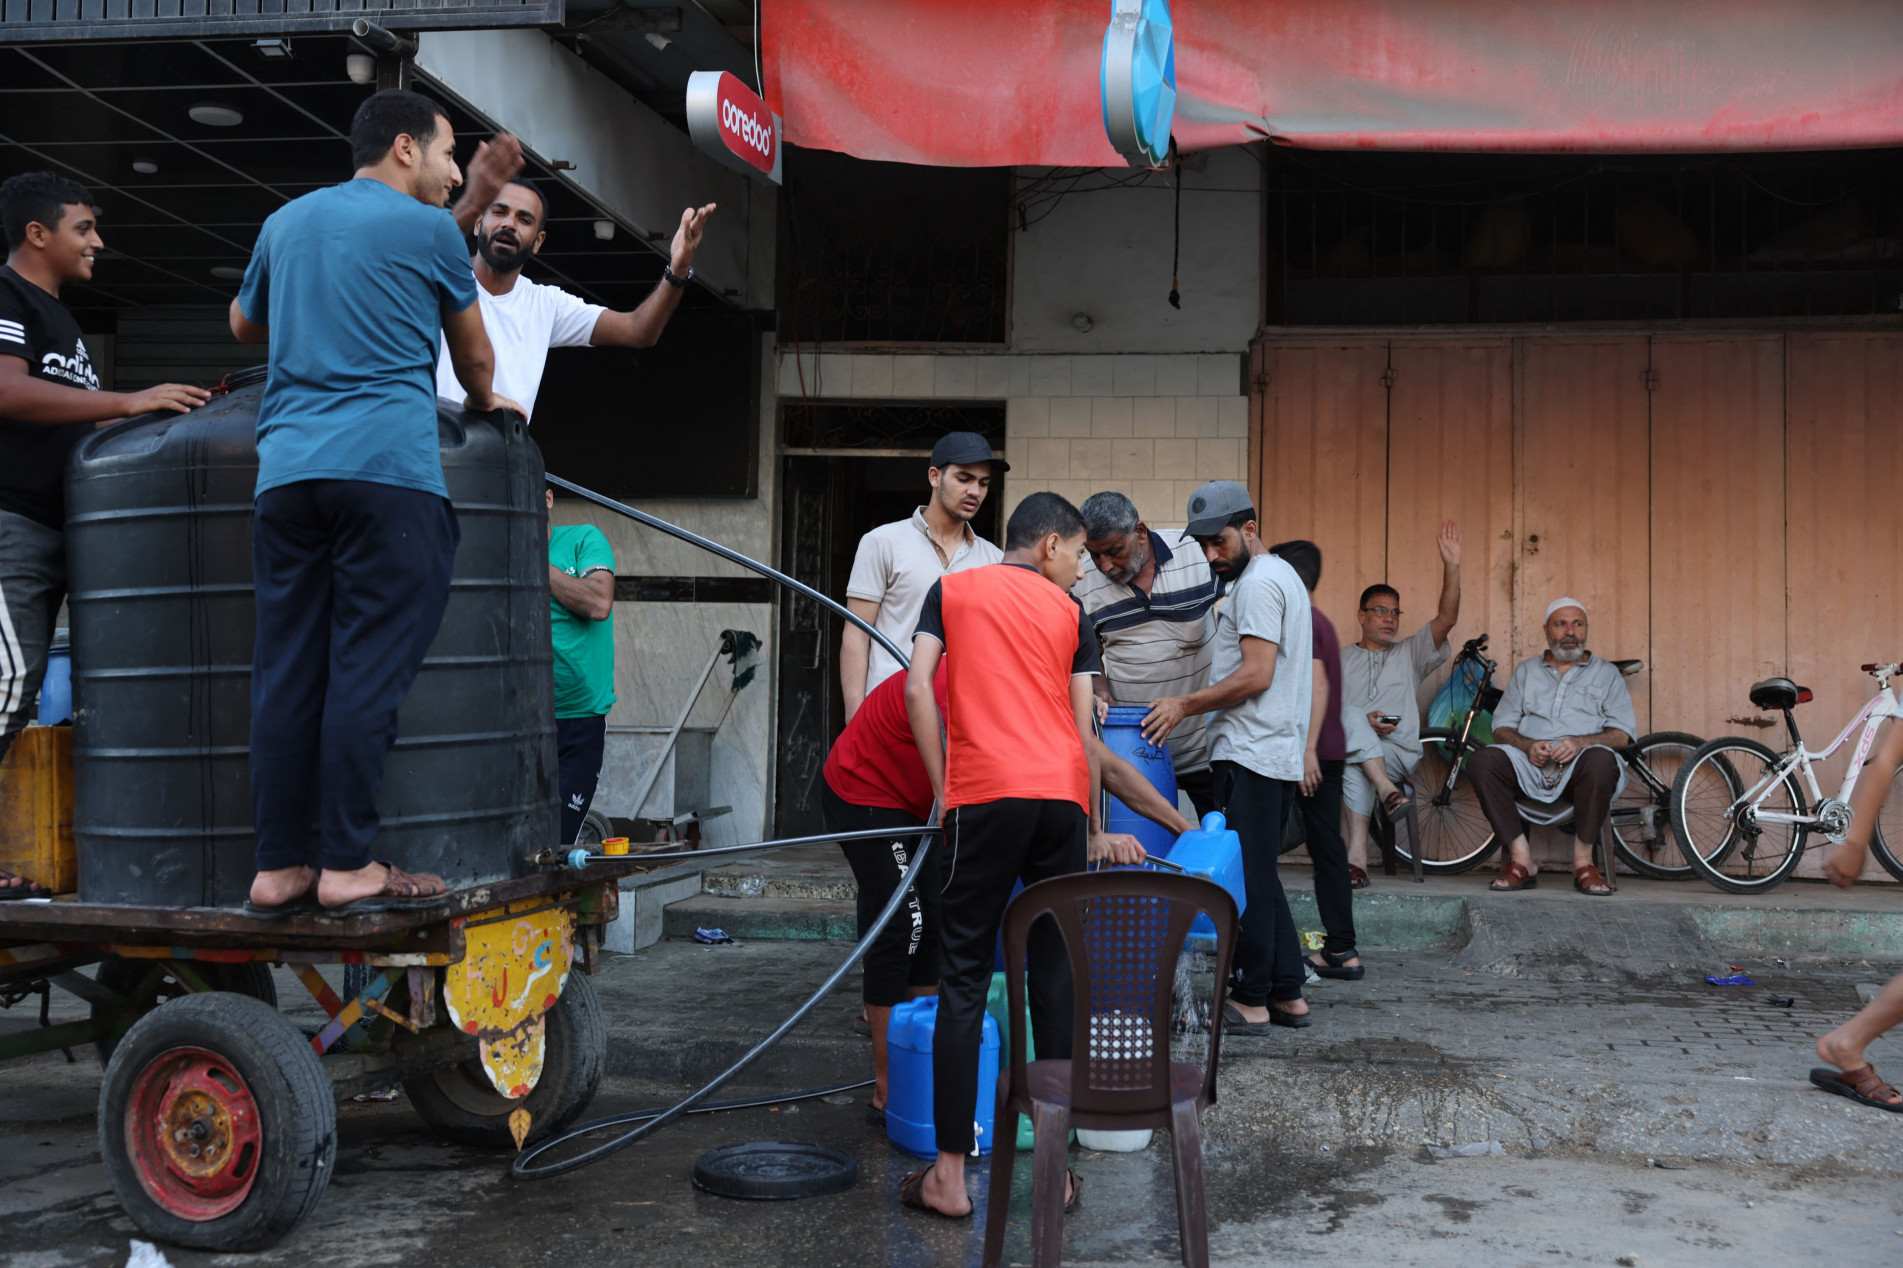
x,y
1018,782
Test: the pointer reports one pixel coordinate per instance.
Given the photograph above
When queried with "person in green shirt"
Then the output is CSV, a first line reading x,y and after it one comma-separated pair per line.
x,y
581,583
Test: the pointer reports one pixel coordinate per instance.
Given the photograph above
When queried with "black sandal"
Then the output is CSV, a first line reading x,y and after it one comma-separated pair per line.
x,y
1337,966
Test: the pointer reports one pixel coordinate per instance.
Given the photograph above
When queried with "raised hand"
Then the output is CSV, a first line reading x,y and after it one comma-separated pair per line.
x,y
1449,543
495,163
687,238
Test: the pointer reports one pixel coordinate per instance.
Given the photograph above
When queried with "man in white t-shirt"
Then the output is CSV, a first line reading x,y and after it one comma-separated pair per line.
x,y
524,318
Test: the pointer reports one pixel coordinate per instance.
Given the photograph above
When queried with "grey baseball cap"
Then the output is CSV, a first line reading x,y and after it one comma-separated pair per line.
x,y
1211,506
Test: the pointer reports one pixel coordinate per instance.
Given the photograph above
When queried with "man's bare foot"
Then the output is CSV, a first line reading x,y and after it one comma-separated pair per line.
x,y
1839,1051
281,885
947,1197
336,888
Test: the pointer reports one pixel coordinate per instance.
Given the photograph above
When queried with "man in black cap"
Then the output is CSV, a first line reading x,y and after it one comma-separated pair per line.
x,y
898,562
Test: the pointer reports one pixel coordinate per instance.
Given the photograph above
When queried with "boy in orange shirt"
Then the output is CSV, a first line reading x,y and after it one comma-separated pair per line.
x,y
1017,780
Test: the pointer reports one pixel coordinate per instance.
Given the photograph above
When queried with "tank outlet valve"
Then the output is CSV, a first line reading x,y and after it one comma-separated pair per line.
x,y
578,858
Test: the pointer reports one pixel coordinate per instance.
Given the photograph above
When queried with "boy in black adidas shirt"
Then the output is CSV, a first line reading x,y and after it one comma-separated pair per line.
x,y
49,398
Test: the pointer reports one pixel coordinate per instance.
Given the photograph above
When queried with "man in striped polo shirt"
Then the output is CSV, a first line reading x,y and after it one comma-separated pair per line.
x,y
1152,599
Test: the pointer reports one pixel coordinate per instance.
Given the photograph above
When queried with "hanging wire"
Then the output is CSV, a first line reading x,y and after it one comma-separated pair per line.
x,y
1176,247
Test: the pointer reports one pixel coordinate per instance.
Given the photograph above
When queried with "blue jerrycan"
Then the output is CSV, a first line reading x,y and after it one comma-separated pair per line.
x,y
908,1075
1213,852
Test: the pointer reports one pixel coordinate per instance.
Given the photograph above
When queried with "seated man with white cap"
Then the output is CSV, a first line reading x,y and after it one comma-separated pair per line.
x,y
1555,733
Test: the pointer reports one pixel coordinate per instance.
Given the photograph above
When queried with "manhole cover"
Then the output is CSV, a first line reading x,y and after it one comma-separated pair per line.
x,y
775,1170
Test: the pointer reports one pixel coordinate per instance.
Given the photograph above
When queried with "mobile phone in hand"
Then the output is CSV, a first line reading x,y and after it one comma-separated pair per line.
x,y
1392,719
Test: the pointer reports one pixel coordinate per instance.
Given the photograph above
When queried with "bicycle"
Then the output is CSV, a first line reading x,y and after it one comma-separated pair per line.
x,y
1455,835
1758,835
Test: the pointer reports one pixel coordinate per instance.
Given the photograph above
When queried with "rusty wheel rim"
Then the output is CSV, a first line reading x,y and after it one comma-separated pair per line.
x,y
193,1134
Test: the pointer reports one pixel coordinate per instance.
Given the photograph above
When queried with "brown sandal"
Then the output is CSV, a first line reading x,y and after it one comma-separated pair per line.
x,y
1357,877
402,891
912,1193
1395,802
1515,877
1590,880
1861,1085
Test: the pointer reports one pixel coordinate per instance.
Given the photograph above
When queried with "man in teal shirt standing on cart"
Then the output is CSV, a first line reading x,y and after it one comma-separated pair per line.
x,y
581,582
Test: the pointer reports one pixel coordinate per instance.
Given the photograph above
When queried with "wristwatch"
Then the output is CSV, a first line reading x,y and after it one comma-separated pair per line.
x,y
668,276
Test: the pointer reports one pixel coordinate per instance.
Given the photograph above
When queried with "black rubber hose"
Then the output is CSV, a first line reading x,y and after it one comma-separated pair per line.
x,y
687,856
524,1166
732,556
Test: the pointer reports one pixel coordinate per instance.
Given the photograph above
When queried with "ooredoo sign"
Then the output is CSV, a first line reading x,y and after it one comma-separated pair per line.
x,y
729,121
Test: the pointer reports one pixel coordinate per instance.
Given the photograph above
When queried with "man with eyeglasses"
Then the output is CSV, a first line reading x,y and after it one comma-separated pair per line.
x,y
1382,677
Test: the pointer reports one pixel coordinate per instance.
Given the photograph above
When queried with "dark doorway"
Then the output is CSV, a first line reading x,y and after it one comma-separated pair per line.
x,y
828,502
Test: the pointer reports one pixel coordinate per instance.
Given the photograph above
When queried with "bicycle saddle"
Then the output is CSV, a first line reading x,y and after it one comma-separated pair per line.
x,y
1778,693
1628,667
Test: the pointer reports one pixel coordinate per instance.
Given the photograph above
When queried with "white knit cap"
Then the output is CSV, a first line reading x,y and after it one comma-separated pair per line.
x,y
1557,604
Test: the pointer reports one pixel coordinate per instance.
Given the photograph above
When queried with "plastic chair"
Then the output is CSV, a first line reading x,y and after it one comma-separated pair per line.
x,y
1124,930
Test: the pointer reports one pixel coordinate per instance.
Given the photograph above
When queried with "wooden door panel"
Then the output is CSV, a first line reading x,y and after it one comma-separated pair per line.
x,y
1584,486
1844,557
1450,456
1717,527
1321,469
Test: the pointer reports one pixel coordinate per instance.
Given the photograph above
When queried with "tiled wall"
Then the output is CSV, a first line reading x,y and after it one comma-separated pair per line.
x,y
1151,426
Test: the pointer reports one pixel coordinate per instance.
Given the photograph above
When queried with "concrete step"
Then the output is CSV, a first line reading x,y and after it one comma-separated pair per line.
x,y
744,882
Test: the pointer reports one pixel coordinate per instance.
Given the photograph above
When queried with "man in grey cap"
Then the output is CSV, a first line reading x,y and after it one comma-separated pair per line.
x,y
1555,734
898,562
1259,694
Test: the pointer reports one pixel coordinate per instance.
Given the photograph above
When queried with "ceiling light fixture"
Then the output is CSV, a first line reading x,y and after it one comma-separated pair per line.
x,y
144,167
605,230
659,41
272,49
227,272
215,114
1082,321
362,68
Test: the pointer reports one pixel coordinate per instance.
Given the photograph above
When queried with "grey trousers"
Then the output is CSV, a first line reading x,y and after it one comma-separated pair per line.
x,y
32,586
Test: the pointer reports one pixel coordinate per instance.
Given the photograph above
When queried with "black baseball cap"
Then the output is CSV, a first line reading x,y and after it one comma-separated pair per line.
x,y
967,449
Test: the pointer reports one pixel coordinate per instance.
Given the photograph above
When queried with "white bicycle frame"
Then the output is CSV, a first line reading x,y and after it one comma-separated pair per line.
x,y
1870,717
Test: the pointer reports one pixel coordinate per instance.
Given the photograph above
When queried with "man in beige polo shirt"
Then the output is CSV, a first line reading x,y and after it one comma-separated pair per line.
x,y
898,562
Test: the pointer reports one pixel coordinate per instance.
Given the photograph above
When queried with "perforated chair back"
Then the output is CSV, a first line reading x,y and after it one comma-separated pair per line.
x,y
1124,929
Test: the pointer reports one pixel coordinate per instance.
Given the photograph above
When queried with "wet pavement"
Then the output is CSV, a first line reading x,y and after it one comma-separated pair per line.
x,y
1645,1118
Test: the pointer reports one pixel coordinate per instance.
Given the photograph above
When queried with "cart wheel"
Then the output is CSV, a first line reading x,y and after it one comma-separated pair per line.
x,y
123,977
216,1123
461,1105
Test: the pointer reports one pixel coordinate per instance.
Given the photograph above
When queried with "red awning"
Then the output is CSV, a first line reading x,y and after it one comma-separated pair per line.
x,y
969,83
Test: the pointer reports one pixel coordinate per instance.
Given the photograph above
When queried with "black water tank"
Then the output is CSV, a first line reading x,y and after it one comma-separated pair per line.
x,y
158,541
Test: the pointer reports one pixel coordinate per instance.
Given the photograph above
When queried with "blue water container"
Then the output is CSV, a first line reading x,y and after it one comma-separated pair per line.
x,y
908,1095
56,692
1123,735
1213,852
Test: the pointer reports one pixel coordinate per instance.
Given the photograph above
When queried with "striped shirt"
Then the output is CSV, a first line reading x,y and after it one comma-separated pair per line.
x,y
1158,644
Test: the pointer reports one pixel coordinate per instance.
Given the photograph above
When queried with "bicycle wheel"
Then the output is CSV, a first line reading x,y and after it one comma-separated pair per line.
x,y
1455,835
1738,851
1643,835
1889,827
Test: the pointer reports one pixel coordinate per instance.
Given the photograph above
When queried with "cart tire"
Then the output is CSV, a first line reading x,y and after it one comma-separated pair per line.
x,y
240,1071
123,976
462,1106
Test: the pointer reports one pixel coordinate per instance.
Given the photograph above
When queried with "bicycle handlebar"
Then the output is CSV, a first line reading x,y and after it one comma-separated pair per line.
x,y
1887,671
